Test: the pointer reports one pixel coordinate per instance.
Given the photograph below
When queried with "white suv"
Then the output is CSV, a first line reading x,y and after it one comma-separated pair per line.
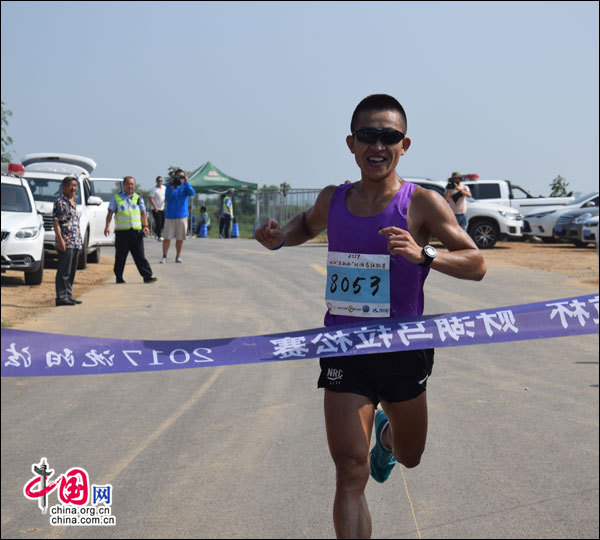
x,y
105,188
22,227
44,173
487,222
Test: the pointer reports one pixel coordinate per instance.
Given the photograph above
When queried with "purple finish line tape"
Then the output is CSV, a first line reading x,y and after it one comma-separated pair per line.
x,y
33,354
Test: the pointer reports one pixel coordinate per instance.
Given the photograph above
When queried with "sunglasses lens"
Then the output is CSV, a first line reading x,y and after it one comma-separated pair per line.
x,y
368,137
387,137
391,137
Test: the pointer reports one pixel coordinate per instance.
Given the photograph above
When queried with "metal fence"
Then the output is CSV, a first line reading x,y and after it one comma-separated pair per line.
x,y
273,203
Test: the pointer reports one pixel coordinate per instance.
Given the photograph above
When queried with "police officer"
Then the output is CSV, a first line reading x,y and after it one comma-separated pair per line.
x,y
131,225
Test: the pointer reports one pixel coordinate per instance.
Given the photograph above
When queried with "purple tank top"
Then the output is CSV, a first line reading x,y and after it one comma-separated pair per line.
x,y
352,234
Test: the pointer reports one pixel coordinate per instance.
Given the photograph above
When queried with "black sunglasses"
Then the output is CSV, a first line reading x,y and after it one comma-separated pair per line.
x,y
388,137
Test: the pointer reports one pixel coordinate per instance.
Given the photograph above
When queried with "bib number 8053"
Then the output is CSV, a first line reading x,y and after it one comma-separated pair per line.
x,y
344,284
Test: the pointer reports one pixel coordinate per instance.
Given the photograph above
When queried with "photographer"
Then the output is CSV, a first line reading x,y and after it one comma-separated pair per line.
x,y
176,218
456,195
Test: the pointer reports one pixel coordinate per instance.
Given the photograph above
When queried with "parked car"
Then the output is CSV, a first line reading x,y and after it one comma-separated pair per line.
x,y
569,226
541,224
105,188
589,231
44,173
508,194
22,227
487,222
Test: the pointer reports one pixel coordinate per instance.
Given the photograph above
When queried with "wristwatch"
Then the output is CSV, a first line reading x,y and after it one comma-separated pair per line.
x,y
429,252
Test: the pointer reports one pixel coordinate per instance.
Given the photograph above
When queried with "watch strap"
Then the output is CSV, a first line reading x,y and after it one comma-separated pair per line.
x,y
428,260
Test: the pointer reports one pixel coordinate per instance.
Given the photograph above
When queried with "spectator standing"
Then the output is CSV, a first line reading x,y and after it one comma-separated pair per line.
x,y
226,214
456,194
65,222
176,217
204,219
131,224
219,213
157,200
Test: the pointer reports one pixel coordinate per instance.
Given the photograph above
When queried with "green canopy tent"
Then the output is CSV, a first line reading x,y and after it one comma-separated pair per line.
x,y
209,179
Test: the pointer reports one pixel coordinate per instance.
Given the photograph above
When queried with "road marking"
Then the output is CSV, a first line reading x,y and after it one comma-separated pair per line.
x,y
164,426
412,509
57,532
322,270
251,251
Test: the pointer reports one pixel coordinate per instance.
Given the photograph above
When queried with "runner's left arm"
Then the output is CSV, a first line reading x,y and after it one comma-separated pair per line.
x,y
430,216
300,228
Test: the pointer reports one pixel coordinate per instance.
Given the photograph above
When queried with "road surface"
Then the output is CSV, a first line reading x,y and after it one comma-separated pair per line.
x,y
241,452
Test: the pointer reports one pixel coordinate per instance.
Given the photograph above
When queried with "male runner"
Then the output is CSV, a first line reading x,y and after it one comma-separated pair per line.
x,y
381,215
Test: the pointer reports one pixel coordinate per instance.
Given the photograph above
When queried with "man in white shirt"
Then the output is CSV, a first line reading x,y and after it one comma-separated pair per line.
x,y
157,200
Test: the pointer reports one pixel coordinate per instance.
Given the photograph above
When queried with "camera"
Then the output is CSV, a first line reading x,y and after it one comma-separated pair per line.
x,y
451,184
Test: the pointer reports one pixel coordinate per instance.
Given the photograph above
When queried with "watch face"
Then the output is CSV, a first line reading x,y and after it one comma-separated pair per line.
x,y
430,251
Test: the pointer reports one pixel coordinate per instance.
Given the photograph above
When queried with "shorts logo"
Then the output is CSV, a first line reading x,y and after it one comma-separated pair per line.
x,y
334,375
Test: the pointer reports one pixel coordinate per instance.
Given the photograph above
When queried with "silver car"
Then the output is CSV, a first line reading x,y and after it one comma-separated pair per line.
x,y
569,225
541,224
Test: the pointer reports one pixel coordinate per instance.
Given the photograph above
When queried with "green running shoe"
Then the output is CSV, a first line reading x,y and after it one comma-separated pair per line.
x,y
382,460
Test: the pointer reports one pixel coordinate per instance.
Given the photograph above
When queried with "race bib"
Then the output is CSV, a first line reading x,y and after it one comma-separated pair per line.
x,y
358,285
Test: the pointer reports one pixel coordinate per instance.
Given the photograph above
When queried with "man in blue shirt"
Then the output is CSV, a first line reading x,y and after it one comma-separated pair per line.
x,y
176,219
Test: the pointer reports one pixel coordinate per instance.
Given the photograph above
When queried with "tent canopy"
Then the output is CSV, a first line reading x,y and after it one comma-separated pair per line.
x,y
209,179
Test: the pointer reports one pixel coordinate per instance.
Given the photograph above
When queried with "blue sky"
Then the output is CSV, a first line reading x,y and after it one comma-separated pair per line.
x,y
265,90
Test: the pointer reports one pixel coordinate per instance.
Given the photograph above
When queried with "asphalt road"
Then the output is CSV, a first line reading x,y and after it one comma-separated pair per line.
x,y
241,451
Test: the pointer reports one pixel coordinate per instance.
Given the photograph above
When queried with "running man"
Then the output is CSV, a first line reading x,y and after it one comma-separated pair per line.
x,y
390,218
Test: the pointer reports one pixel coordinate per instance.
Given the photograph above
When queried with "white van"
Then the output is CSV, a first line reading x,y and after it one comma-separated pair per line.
x,y
44,172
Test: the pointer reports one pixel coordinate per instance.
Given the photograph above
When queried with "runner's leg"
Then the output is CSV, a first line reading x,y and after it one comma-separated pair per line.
x,y
349,422
408,433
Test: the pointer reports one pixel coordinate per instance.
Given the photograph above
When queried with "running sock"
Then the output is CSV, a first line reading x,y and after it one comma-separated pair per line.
x,y
386,426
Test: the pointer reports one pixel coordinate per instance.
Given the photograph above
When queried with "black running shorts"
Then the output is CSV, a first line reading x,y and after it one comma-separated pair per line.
x,y
391,376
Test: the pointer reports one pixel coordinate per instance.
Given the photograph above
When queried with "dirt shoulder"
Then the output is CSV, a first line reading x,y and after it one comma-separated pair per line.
x,y
579,264
20,302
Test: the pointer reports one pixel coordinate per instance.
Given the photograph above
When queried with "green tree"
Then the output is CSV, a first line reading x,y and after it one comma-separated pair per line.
x,y
6,140
559,187
247,201
272,187
172,169
285,188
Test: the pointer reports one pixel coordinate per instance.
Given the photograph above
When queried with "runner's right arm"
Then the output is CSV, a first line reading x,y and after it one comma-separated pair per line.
x,y
300,228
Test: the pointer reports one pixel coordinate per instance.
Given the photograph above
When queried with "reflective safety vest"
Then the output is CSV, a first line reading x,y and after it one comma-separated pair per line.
x,y
128,216
228,205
